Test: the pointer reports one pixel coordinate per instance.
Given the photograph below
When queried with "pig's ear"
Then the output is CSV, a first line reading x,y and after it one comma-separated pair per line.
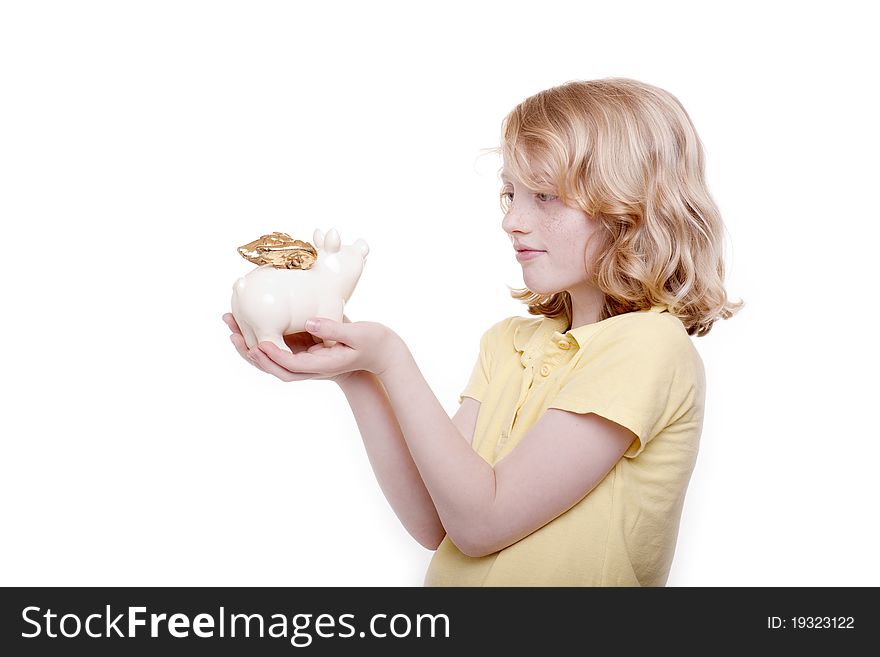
x,y
332,241
318,238
362,245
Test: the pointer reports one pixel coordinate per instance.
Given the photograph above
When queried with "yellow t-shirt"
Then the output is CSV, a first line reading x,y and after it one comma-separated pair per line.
x,y
639,369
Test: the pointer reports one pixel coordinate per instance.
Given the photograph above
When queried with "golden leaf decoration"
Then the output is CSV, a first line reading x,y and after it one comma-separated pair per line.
x,y
281,251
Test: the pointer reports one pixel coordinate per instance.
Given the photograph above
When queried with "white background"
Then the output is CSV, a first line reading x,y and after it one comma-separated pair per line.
x,y
142,143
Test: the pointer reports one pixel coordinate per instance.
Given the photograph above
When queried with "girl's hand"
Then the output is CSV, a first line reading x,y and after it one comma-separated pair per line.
x,y
367,346
297,342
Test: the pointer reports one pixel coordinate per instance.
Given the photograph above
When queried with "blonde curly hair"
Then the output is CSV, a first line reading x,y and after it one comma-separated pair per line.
x,y
627,154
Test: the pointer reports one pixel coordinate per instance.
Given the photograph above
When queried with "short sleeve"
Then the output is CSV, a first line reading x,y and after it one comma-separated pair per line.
x,y
482,370
643,374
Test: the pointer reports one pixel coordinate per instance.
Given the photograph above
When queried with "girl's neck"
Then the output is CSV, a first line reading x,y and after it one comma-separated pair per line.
x,y
586,305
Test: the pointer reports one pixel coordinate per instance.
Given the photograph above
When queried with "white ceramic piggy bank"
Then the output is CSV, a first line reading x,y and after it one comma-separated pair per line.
x,y
269,303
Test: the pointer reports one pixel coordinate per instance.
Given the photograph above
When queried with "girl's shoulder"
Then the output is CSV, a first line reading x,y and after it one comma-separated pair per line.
x,y
647,339
654,330
656,327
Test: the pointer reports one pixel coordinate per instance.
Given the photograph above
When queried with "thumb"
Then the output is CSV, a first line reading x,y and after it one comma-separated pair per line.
x,y
325,328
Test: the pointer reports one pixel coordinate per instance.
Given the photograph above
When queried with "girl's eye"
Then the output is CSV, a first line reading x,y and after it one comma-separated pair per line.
x,y
507,199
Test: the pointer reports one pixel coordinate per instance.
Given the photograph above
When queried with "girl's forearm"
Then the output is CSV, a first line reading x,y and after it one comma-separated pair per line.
x,y
390,458
460,482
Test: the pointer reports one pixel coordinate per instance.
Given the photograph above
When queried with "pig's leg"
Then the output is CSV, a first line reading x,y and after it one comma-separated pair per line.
x,y
331,310
247,332
249,336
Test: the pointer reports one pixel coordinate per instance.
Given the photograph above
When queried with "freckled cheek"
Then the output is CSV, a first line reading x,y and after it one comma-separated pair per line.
x,y
557,239
564,240
575,252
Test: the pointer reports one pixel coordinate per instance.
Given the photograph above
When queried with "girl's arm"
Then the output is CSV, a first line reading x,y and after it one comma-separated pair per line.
x,y
386,449
485,509
390,458
482,509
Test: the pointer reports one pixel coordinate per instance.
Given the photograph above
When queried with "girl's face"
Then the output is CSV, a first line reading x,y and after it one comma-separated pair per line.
x,y
555,235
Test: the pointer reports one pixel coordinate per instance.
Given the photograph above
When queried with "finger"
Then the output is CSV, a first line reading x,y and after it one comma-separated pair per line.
x,y
229,318
242,349
327,329
259,360
240,345
304,361
271,367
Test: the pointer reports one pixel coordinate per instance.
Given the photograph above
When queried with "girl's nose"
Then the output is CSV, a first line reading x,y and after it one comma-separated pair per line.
x,y
515,221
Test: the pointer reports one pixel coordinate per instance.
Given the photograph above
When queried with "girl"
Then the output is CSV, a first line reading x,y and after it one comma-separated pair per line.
x,y
569,457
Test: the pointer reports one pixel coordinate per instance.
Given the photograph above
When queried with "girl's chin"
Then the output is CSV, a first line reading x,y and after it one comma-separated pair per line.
x,y
538,288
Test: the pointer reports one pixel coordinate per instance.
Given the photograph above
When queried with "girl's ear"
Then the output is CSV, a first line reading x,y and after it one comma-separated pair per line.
x,y
318,239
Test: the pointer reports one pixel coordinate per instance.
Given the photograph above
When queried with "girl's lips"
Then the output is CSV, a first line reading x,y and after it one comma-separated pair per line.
x,y
524,256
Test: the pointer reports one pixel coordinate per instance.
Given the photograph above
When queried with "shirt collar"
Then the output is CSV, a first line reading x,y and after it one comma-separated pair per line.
x,y
529,342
